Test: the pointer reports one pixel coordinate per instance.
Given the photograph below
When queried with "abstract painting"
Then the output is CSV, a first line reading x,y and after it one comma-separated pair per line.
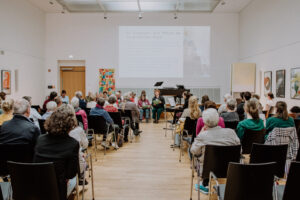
x,y
6,81
107,80
267,82
280,83
295,83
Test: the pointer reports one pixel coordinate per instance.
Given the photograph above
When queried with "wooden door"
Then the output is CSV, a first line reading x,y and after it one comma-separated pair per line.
x,y
72,79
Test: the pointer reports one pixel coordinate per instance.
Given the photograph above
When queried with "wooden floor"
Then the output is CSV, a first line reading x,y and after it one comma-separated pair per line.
x,y
147,169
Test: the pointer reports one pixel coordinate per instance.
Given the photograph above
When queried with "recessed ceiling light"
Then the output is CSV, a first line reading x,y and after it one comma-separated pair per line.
x,y
71,56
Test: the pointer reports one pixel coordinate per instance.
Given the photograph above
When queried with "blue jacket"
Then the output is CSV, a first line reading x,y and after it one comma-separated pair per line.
x,y
101,112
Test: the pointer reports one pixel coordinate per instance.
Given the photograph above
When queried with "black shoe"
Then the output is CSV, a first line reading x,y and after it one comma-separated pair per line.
x,y
80,182
125,139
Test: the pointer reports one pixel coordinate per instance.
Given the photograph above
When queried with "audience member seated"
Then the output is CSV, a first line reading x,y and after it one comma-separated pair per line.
x,y
212,134
246,96
100,111
128,105
179,109
78,134
51,107
61,149
19,130
111,107
260,108
144,106
281,118
58,101
88,97
7,107
50,98
82,103
295,110
270,102
200,122
223,107
158,105
230,115
34,114
204,99
92,101
2,98
119,98
133,98
253,122
193,111
105,95
78,111
64,97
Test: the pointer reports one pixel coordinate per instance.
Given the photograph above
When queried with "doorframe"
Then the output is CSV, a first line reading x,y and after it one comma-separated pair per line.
x,y
73,69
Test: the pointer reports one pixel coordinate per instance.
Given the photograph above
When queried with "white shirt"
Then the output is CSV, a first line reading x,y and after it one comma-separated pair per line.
x,y
35,116
91,104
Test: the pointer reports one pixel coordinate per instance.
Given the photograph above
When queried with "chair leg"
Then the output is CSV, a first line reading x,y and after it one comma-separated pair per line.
x,y
92,177
166,129
83,185
77,192
192,179
95,147
180,146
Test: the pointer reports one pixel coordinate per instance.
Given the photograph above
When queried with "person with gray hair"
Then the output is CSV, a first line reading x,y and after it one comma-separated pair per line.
x,y
211,134
231,115
34,115
78,111
19,130
82,103
223,107
51,107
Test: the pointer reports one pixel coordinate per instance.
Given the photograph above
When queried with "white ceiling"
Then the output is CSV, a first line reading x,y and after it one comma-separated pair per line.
x,y
230,6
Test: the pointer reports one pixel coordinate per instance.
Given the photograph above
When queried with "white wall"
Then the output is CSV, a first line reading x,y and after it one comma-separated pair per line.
x,y
22,37
270,37
91,38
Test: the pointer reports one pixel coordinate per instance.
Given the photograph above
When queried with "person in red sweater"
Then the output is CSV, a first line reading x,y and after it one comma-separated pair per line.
x,y
144,107
51,98
112,106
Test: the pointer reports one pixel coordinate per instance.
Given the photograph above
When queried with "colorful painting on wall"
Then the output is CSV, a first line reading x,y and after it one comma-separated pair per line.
x,y
295,83
107,80
267,82
6,81
280,83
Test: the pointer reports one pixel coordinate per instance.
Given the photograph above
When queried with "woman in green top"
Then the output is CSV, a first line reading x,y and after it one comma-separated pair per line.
x,y
253,122
281,118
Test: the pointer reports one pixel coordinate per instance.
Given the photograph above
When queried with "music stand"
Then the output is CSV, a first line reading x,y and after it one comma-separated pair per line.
x,y
158,84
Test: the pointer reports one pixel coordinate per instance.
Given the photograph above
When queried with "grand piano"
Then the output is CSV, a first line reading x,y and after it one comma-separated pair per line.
x,y
172,91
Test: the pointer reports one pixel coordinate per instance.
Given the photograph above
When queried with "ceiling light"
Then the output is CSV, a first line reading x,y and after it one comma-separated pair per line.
x,y
51,2
140,15
71,56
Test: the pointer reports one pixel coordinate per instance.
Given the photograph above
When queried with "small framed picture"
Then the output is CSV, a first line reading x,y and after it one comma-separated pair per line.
x,y
6,81
267,82
280,83
295,83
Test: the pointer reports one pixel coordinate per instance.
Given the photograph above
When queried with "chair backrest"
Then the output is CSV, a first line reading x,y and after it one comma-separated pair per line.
x,y
42,128
190,126
251,137
33,181
116,117
249,182
14,152
231,124
217,158
288,136
98,124
87,111
126,114
262,153
292,183
79,119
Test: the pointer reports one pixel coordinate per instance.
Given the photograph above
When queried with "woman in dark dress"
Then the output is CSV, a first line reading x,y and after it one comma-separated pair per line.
x,y
158,105
58,147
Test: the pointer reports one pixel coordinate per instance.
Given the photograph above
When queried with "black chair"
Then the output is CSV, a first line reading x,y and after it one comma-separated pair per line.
x,y
297,125
42,127
34,181
290,189
116,117
126,115
247,182
98,126
231,124
188,134
251,137
79,120
270,153
14,152
87,111
216,160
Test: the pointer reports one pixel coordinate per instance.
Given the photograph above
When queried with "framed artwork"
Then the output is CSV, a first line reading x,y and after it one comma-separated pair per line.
x,y
267,82
6,81
107,80
280,83
295,83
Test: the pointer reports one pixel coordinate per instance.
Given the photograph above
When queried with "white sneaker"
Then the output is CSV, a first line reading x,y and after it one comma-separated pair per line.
x,y
115,145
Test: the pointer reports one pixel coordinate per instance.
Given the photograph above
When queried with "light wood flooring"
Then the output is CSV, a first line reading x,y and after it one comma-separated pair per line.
x,y
147,169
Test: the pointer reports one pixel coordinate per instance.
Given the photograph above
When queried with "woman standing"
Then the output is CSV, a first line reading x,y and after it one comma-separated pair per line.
x,y
158,105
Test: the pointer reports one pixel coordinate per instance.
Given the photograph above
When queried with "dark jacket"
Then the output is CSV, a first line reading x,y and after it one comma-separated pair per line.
x,y
160,105
240,111
63,152
19,130
82,104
